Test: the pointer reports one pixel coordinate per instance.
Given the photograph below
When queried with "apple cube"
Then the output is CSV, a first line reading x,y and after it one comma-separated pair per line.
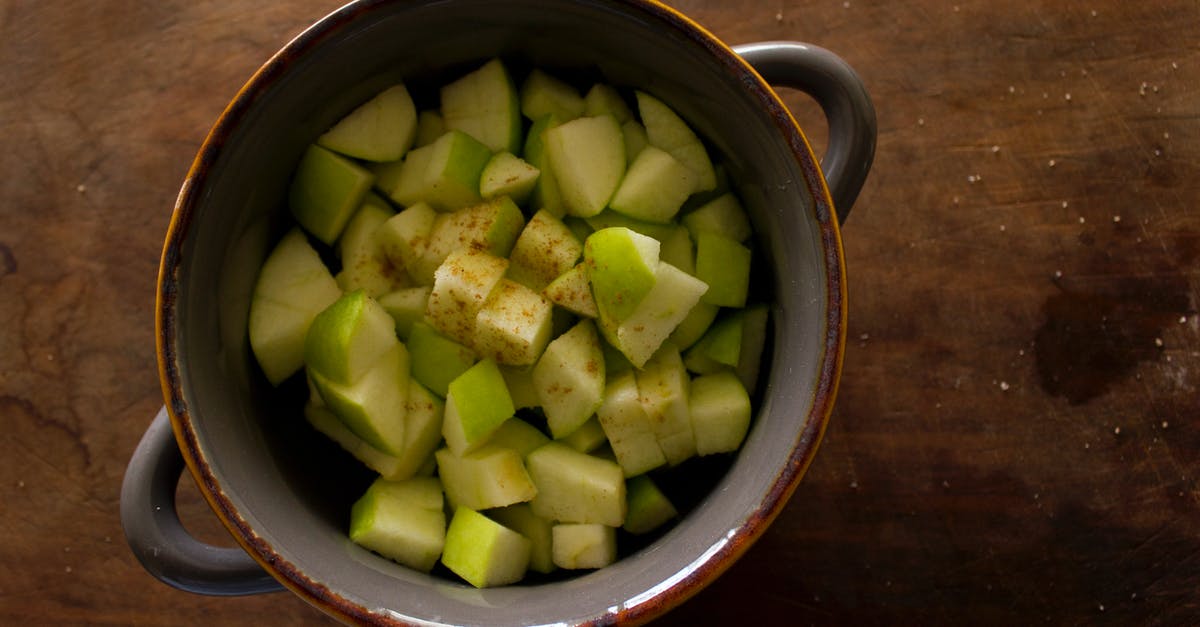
x,y
373,407
520,386
477,403
401,520
609,218
484,478
328,424
406,306
325,191
724,265
754,337
677,249
636,139
603,98
572,291
587,157
518,435
576,487
654,187
569,378
649,508
577,546
694,325
508,175
364,264
627,427
545,195
545,249
403,237
430,126
721,346
293,286
542,95
436,359
444,174
461,286
348,337
723,215
587,438
720,409
484,105
484,552
669,301
666,130
380,129
492,227
663,390
621,267
520,518
514,325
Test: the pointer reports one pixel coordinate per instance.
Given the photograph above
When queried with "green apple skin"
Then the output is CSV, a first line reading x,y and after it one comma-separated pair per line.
x,y
544,250
508,175
583,546
444,174
587,157
348,337
723,215
483,552
569,378
602,99
658,314
694,325
293,286
485,478
627,427
401,520
572,291
373,407
724,265
325,191
542,94
514,326
437,359
654,188
381,129
576,487
520,518
649,508
484,104
720,409
477,403
721,346
621,266
666,130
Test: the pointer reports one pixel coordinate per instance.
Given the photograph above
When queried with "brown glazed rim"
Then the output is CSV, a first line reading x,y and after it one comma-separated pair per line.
x,y
317,594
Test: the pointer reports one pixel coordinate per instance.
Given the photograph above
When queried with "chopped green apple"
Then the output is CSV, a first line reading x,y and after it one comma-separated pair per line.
x,y
587,438
723,215
508,175
484,552
572,291
380,129
293,286
542,94
603,98
654,187
609,218
514,325
621,266
430,126
544,250
519,380
374,405
587,157
484,105
477,403
754,338
694,325
401,520
657,315
328,424
721,346
720,408
444,174
577,546
666,130
663,390
545,195
326,190
649,508
636,139
403,236
576,487
520,518
491,226
518,435
364,264
406,306
348,337
461,286
627,427
569,378
677,249
488,477
724,265
437,359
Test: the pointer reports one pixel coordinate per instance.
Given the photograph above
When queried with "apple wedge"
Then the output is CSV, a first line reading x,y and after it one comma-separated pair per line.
x,y
380,129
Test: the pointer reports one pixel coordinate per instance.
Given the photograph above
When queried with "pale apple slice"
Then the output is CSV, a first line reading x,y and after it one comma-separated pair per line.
x,y
572,291
723,214
569,378
401,520
609,218
518,435
520,518
437,359
477,403
488,477
484,105
587,438
430,126
542,94
721,346
678,250
602,99
576,487
587,157
580,546
514,325
407,307
293,286
461,286
621,266
724,265
380,129
627,427
491,226
544,250
654,187
483,552
348,337
666,130
545,195
519,380
508,175
720,409
636,139
374,405
754,338
325,191
444,174
663,388
404,236
694,325
364,264
657,315
649,508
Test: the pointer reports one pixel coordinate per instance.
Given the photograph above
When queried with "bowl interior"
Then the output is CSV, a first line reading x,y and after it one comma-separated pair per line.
x,y
288,490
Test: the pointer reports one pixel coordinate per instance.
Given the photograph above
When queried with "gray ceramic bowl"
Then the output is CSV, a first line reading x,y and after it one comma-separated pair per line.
x,y
284,493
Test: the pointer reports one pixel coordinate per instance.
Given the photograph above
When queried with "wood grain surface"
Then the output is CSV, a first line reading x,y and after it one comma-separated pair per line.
x,y
1017,435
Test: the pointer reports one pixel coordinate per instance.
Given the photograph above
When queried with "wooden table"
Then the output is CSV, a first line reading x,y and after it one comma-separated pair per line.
x,y
1017,436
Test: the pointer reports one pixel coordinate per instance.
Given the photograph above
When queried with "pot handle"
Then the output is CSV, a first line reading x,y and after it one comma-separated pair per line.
x,y
158,538
844,100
